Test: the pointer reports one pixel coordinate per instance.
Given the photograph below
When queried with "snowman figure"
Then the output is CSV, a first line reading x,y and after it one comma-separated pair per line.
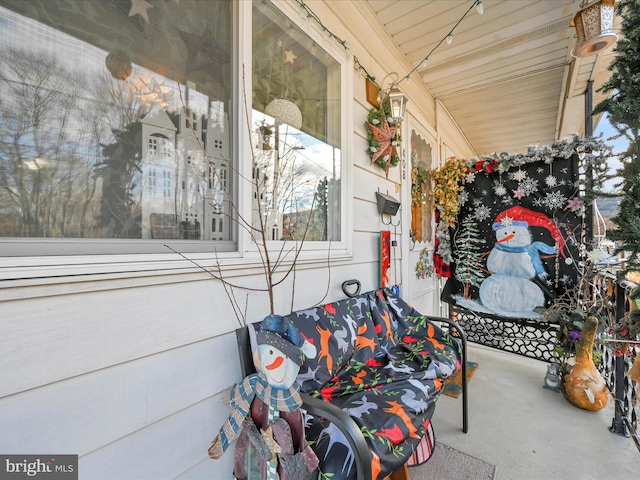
x,y
515,261
266,417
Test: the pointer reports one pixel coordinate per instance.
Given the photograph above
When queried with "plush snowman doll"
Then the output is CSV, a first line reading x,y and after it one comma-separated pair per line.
x,y
515,260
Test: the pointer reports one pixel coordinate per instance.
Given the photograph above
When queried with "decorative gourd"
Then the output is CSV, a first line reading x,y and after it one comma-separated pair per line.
x,y
583,384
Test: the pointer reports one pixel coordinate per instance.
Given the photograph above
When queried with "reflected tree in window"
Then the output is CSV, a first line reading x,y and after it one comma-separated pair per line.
x,y
120,172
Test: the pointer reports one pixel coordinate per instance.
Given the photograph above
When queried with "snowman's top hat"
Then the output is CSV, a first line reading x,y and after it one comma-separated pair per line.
x,y
523,217
282,334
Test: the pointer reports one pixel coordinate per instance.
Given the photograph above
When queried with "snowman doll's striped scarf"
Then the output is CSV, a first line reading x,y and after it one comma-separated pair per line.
x,y
242,394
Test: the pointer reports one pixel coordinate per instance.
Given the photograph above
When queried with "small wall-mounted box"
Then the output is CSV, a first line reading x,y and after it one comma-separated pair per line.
x,y
387,204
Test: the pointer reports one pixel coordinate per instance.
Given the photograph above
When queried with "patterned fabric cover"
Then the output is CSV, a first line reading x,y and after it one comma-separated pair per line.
x,y
382,362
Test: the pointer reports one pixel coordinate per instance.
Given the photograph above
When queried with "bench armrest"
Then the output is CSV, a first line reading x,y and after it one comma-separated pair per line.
x,y
347,425
463,338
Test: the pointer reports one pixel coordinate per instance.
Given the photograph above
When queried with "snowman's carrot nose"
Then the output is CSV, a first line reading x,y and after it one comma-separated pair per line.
x,y
276,363
508,237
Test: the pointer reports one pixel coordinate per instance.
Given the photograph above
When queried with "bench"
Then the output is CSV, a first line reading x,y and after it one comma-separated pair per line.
x,y
371,390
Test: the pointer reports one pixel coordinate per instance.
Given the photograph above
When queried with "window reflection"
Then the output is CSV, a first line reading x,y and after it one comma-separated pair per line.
x,y
296,132
421,204
114,122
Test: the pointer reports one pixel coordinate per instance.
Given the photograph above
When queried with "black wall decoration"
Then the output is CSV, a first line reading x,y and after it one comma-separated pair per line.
x,y
516,240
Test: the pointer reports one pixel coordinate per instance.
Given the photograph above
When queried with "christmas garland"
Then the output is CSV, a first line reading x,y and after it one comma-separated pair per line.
x,y
450,178
448,183
384,137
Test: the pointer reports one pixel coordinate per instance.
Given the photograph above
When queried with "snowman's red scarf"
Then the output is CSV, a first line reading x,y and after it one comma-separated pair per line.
x,y
242,394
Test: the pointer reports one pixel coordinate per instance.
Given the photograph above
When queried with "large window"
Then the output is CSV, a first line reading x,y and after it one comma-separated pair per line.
x,y
117,127
296,131
115,122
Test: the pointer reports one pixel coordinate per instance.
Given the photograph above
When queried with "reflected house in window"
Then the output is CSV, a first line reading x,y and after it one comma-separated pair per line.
x,y
184,170
135,132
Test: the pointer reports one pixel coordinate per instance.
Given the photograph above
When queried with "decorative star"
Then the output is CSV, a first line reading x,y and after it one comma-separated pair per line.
x,y
384,135
574,204
140,7
289,57
272,444
519,193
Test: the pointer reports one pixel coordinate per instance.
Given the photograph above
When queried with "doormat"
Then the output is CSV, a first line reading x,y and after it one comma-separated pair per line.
x,y
453,386
447,463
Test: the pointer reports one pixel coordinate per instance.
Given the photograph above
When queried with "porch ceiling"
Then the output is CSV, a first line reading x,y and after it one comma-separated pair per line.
x,y
508,78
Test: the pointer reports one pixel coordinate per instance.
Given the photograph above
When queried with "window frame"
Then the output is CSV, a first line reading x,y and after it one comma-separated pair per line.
x,y
33,259
312,250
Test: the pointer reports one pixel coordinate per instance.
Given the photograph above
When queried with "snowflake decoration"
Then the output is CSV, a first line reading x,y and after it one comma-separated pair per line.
x,y
507,221
519,193
471,177
540,170
463,197
499,189
554,200
482,213
537,202
518,176
551,181
484,192
594,256
529,185
565,280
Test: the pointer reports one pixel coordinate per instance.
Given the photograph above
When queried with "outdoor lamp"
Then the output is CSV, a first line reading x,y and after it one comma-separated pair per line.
x,y
594,28
397,104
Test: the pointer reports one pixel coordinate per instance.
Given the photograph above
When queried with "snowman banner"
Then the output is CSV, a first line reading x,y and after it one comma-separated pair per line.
x,y
516,237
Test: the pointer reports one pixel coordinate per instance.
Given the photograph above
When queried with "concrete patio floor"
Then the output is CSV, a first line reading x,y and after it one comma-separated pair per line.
x,y
530,432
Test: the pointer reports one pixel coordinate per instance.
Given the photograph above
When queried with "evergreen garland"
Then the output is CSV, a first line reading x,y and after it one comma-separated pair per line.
x,y
596,155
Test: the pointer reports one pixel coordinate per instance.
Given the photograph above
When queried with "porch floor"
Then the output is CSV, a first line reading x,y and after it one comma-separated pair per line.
x,y
528,431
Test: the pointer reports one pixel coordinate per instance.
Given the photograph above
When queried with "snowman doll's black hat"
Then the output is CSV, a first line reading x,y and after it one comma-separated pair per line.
x,y
279,332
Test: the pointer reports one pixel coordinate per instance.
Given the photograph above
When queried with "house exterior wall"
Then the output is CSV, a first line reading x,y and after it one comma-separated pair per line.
x,y
126,360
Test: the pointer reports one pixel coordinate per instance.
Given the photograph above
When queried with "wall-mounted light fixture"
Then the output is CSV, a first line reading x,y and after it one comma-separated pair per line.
x,y
397,103
594,28
392,99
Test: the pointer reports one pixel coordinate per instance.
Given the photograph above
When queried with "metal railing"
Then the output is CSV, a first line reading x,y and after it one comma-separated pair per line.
x,y
614,367
535,339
